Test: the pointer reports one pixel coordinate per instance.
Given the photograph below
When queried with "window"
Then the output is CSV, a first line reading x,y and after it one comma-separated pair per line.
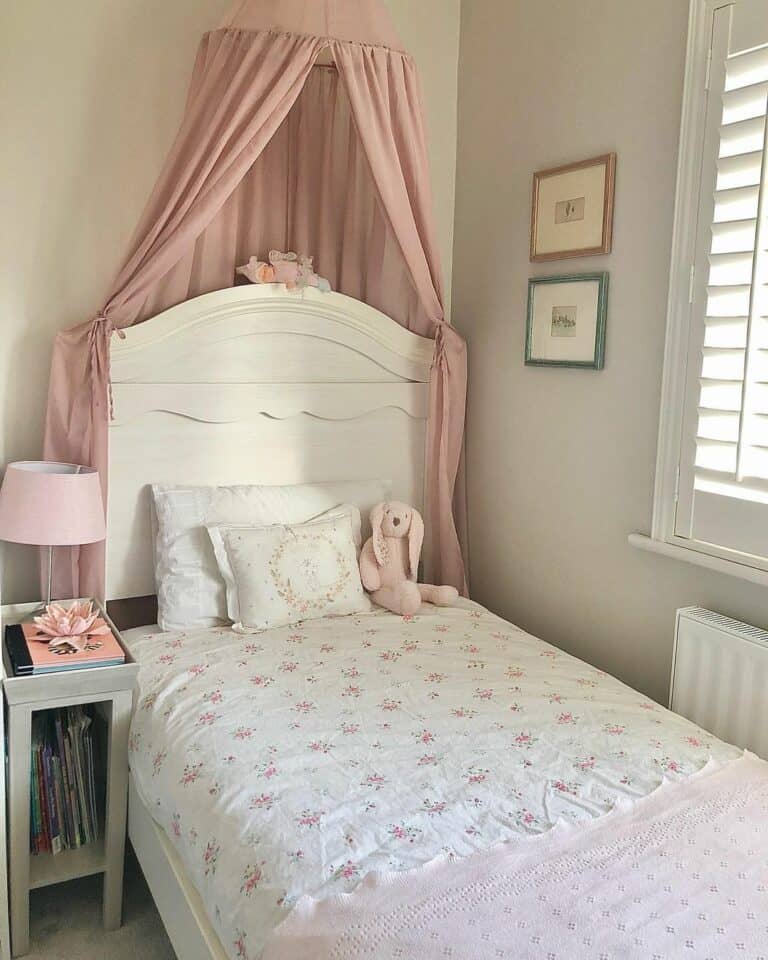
x,y
712,483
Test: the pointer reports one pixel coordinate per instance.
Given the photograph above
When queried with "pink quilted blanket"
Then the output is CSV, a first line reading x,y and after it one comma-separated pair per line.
x,y
682,873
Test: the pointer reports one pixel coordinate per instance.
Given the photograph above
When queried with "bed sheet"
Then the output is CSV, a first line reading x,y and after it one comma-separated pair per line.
x,y
297,761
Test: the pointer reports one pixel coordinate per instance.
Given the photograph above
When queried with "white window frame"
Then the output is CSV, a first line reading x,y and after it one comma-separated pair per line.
x,y
663,539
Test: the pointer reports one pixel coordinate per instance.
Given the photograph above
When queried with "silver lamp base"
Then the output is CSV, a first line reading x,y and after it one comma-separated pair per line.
x,y
39,611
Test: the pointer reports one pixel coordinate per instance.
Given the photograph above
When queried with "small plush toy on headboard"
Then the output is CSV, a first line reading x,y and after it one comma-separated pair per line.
x,y
288,268
389,563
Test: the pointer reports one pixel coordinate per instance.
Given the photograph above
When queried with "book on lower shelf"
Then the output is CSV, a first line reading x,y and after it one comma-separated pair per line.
x,y
63,798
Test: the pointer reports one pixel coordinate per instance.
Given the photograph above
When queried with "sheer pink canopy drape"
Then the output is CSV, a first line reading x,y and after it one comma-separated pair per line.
x,y
273,153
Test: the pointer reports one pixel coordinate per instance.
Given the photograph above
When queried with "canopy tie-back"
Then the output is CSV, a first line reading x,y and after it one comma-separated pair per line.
x,y
104,325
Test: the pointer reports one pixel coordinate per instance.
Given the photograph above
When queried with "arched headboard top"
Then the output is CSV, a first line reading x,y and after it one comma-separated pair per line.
x,y
271,309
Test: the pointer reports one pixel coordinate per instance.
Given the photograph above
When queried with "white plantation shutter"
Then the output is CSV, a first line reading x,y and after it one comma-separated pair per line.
x,y
722,496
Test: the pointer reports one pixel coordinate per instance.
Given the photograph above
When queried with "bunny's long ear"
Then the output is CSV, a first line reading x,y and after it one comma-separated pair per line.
x,y
379,546
415,543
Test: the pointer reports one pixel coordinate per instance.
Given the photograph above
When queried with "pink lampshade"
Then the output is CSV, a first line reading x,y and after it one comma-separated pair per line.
x,y
51,504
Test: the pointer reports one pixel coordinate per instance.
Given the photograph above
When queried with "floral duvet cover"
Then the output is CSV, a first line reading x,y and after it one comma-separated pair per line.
x,y
294,762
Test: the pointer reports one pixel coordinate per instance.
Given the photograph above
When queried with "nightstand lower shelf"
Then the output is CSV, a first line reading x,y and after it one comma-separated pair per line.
x,y
46,869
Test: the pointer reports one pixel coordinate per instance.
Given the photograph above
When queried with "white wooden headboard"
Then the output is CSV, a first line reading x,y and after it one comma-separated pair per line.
x,y
257,384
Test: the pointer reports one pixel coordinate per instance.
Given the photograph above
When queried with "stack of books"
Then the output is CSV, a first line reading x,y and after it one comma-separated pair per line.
x,y
63,802
30,654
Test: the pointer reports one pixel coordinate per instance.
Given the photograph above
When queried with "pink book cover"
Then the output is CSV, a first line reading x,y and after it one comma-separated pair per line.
x,y
95,650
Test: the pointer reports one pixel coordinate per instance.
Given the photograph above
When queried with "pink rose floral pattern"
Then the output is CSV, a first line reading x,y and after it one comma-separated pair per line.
x,y
324,752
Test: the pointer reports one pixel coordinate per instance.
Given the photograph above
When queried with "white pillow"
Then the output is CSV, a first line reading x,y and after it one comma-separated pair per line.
x,y
190,590
283,574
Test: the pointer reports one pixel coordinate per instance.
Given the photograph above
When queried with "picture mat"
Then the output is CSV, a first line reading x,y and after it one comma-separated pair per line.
x,y
587,182
582,294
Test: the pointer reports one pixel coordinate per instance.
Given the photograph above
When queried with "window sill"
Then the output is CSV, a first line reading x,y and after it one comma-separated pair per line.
x,y
729,567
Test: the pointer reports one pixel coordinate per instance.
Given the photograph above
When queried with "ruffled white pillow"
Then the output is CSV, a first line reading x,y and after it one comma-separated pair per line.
x,y
282,574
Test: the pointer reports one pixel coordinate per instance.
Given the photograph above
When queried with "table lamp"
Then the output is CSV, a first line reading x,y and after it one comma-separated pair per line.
x,y
51,505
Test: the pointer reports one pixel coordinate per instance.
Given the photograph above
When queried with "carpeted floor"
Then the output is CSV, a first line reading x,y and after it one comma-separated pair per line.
x,y
65,922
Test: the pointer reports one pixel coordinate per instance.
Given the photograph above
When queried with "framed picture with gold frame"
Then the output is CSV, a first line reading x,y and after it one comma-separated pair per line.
x,y
573,210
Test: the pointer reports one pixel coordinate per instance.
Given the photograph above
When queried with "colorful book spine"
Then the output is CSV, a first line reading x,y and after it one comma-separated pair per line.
x,y
74,733
59,801
78,837
45,828
64,775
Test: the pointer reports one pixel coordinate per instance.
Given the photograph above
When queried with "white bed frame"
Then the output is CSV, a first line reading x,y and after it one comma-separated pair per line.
x,y
253,384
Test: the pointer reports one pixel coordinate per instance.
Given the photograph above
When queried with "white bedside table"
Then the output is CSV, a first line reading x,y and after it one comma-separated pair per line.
x,y
110,690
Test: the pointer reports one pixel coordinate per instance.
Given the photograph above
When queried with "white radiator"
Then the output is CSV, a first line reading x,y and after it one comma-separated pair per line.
x,y
720,677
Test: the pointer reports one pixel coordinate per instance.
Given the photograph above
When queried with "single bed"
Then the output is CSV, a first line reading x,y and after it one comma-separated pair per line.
x,y
286,767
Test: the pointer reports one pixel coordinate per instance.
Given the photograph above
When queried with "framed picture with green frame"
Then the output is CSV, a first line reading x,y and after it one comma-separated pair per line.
x,y
566,321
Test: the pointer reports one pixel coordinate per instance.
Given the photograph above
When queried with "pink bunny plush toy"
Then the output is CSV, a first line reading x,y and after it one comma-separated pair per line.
x,y
389,562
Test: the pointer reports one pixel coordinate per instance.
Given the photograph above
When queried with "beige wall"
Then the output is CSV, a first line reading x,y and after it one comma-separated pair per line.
x,y
91,93
562,462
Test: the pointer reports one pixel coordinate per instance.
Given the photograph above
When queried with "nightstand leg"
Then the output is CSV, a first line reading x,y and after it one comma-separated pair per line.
x,y
117,807
19,771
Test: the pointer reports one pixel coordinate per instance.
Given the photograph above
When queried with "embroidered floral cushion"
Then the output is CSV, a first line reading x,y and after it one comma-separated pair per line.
x,y
283,574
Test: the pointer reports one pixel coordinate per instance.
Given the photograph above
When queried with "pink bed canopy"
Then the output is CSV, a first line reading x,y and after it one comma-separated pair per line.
x,y
279,151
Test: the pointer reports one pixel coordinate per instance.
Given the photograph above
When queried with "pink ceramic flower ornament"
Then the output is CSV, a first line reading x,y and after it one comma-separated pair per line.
x,y
69,626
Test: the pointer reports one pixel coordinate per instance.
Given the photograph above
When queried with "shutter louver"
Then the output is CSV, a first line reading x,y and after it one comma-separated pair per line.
x,y
732,436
